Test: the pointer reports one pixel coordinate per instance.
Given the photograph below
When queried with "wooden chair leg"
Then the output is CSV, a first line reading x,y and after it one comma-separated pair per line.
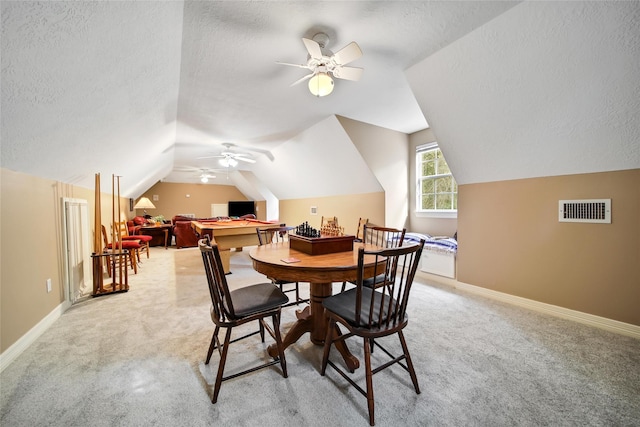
x,y
369,378
278,337
213,345
327,346
261,329
134,265
412,371
223,359
147,250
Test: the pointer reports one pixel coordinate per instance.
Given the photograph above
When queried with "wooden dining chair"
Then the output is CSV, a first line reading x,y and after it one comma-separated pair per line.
x,y
131,246
360,229
373,313
280,234
123,229
384,237
234,308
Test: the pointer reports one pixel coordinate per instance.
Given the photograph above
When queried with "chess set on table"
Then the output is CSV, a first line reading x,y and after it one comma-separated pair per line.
x,y
329,239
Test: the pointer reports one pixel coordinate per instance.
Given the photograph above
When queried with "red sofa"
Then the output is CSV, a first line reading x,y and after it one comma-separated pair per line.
x,y
134,224
185,235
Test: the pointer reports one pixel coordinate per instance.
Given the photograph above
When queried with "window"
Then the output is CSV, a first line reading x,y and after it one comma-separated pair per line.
x,y
437,190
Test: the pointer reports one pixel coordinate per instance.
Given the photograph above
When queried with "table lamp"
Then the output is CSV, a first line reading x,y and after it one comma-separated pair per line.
x,y
144,204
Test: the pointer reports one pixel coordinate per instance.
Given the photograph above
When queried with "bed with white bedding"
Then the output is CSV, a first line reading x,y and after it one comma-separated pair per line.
x,y
438,255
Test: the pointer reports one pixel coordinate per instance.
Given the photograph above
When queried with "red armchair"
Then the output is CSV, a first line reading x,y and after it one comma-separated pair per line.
x,y
185,235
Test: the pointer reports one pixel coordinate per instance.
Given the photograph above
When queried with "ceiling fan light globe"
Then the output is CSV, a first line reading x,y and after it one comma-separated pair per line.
x,y
321,84
228,162
204,180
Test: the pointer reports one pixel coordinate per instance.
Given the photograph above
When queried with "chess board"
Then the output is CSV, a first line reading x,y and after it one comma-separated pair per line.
x,y
321,245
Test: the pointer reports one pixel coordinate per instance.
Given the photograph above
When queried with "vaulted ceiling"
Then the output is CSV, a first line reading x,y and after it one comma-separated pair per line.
x,y
143,89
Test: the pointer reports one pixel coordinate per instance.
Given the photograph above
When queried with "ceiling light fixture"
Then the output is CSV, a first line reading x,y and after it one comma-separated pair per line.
x,y
321,84
204,180
228,161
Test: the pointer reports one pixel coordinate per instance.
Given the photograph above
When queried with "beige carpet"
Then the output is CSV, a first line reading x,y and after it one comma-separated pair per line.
x,y
137,359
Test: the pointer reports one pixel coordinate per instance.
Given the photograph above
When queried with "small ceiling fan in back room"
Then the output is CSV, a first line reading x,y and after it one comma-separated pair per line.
x,y
229,158
324,64
204,174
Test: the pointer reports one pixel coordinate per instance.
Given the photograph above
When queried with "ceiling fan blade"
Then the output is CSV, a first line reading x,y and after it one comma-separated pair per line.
x,y
209,157
308,76
259,150
244,159
349,53
313,48
348,73
293,65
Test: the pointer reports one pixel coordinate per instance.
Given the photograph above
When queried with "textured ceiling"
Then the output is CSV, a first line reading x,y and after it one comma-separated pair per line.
x,y
142,88
516,99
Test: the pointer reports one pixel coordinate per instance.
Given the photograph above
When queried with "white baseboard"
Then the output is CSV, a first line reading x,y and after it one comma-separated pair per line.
x,y
10,354
553,310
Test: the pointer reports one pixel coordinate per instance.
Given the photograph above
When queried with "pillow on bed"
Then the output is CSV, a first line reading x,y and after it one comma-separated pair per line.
x,y
416,237
447,242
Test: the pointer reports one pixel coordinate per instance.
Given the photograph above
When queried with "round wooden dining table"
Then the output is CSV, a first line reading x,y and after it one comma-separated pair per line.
x,y
277,260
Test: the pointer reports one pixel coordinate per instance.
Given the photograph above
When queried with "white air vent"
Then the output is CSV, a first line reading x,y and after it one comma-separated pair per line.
x,y
593,210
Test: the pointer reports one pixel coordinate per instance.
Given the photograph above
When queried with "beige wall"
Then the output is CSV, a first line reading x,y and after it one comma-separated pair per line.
x,y
509,237
510,241
385,152
197,199
349,209
31,248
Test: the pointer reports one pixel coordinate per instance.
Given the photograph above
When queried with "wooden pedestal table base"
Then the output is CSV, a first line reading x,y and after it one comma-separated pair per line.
x,y
320,271
313,320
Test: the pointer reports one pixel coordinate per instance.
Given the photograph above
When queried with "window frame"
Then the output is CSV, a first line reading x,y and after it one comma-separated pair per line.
x,y
432,213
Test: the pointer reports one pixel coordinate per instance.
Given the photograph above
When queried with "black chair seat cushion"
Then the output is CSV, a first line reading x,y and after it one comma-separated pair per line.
x,y
371,282
281,282
256,298
344,305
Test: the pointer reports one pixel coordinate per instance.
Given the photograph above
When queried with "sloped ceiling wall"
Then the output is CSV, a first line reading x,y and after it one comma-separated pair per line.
x,y
321,161
545,89
98,86
74,82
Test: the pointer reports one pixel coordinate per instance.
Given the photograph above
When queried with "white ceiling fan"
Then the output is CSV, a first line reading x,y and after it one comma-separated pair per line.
x,y
203,173
229,158
205,177
324,64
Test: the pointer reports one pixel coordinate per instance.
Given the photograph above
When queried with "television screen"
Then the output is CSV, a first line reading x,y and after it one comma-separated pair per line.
x,y
240,208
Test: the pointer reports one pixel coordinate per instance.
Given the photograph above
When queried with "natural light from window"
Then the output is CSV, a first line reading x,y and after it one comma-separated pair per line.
x,y
437,190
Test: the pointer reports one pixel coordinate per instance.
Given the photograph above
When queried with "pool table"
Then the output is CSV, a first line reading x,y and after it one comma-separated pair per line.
x,y
229,234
